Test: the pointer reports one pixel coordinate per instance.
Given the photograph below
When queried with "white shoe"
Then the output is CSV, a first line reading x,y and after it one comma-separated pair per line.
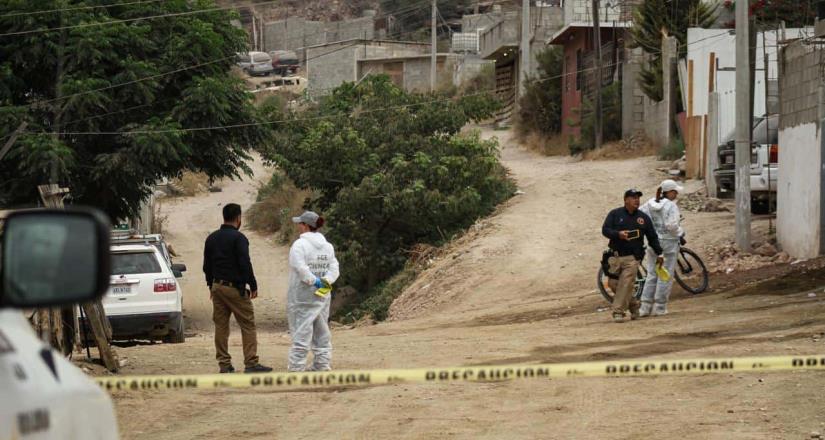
x,y
659,310
644,310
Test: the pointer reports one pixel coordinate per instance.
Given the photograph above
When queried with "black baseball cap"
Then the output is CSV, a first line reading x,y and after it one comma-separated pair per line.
x,y
633,192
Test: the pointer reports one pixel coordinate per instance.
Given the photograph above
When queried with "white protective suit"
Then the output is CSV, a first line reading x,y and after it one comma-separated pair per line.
x,y
666,220
310,256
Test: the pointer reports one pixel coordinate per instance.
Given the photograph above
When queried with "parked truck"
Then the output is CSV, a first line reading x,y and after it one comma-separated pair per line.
x,y
764,168
284,62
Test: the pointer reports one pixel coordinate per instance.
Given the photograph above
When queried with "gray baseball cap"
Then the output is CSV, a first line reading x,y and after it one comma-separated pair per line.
x,y
310,218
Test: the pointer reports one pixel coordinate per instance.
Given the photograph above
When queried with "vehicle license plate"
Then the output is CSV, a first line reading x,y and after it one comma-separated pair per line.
x,y
121,290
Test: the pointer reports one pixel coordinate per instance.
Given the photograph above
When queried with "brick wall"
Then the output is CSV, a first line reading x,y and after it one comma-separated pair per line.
x,y
331,65
296,32
799,189
633,114
799,85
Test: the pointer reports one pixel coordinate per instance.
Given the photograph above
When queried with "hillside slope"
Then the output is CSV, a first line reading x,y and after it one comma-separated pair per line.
x,y
320,10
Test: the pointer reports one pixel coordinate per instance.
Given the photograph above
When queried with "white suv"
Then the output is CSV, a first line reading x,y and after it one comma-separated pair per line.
x,y
144,298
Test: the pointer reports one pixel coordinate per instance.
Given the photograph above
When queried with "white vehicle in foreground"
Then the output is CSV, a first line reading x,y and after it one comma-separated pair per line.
x,y
144,300
50,259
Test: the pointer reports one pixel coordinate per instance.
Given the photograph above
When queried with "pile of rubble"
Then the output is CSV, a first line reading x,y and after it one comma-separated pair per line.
x,y
728,258
700,202
678,167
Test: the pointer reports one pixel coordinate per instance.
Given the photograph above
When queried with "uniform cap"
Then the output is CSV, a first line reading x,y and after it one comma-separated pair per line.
x,y
308,218
633,192
671,185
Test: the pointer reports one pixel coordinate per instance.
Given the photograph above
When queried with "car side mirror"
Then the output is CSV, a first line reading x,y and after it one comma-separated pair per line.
x,y
53,258
179,267
177,273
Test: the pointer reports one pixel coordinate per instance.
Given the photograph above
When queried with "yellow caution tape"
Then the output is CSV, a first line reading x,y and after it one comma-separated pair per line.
x,y
334,379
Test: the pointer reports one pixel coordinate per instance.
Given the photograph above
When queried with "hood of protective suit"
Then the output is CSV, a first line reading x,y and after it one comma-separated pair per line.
x,y
316,239
656,206
666,218
310,257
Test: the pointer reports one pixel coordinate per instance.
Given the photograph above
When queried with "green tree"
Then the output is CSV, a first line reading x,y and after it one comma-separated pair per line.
x,y
388,179
651,20
540,108
107,95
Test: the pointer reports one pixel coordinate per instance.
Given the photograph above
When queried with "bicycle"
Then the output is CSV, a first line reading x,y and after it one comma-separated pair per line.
x,y
691,274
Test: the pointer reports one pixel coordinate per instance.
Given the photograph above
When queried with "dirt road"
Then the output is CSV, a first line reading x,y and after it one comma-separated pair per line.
x,y
190,219
520,288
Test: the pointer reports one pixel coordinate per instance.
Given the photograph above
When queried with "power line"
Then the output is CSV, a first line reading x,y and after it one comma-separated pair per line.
x,y
156,76
351,44
315,118
129,20
151,17
135,81
78,8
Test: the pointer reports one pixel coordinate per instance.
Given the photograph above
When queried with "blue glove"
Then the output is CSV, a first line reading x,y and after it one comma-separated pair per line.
x,y
318,283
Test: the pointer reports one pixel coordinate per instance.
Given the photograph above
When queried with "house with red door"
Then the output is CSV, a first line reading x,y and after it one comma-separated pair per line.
x,y
580,82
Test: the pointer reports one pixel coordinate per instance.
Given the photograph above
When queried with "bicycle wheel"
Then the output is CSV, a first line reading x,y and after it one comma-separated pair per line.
x,y
691,272
602,282
604,288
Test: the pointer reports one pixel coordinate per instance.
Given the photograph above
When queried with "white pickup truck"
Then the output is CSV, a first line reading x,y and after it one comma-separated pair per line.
x,y
764,170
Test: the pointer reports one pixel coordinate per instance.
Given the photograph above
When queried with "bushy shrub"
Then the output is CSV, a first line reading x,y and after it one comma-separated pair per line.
x,y
672,151
540,108
277,202
390,170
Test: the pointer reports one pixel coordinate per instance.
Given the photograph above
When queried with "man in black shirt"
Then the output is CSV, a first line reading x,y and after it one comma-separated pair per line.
x,y
228,271
626,228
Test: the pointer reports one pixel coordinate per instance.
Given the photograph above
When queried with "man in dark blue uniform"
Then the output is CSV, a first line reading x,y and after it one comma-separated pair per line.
x,y
228,271
626,227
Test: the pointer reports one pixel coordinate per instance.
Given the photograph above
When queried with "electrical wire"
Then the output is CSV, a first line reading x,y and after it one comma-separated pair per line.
x,y
346,46
155,76
127,20
78,8
359,112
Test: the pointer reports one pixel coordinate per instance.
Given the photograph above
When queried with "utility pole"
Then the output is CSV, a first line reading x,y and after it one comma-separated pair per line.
x,y
597,43
524,59
434,48
744,112
286,32
254,34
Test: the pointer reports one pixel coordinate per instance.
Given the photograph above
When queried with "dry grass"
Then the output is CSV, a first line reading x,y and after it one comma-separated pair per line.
x,y
159,219
278,202
547,146
190,184
624,149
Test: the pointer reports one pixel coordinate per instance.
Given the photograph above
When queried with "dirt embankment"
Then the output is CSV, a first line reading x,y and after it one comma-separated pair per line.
x,y
521,288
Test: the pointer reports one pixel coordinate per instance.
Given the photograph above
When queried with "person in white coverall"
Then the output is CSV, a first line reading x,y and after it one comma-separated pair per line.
x,y
312,266
666,219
